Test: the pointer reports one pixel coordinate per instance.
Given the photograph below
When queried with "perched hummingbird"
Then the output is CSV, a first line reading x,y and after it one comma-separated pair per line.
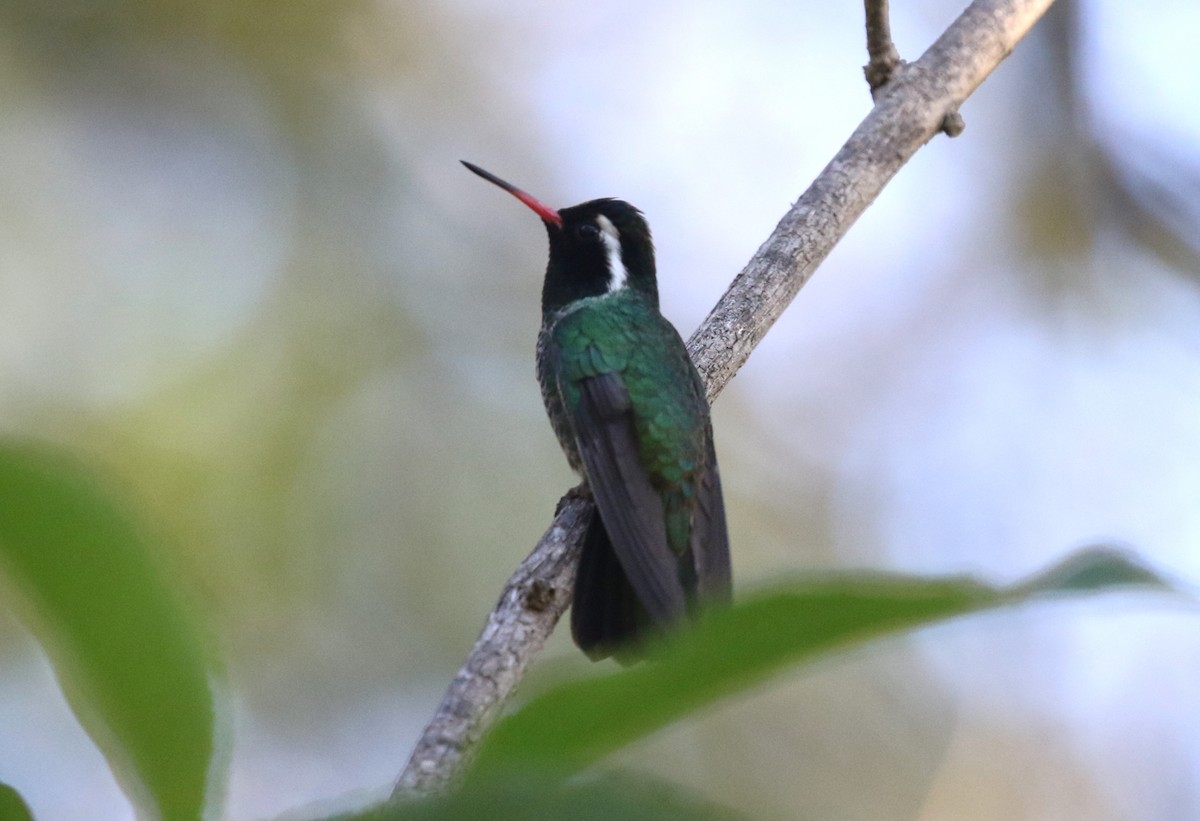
x,y
629,410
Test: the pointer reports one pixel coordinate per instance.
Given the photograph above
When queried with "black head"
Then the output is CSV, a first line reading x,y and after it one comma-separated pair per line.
x,y
596,247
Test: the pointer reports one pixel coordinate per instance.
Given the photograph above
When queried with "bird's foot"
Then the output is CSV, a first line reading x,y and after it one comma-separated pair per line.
x,y
580,491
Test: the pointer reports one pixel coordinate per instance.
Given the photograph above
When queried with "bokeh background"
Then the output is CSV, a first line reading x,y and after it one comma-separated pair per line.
x,y
243,275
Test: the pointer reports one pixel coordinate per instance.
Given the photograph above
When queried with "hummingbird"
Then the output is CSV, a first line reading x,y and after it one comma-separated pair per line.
x,y
630,412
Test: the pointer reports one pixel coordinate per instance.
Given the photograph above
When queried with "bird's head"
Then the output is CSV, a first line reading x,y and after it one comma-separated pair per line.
x,y
597,247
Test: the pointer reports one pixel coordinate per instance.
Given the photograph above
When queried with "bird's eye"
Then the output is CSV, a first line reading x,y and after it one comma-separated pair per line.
x,y
587,231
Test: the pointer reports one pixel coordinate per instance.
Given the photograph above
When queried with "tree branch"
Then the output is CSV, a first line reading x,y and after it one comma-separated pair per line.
x,y
534,598
883,59
909,111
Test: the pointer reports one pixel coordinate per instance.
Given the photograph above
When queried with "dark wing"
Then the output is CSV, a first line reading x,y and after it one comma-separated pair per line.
x,y
710,536
630,507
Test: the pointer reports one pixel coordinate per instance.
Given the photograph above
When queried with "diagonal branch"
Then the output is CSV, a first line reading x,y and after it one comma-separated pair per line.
x,y
910,110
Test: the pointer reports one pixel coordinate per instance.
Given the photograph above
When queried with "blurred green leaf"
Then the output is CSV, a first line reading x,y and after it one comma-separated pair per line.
x,y
519,798
573,725
12,806
127,657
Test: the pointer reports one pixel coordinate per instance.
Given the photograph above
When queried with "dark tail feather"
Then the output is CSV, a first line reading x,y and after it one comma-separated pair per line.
x,y
606,617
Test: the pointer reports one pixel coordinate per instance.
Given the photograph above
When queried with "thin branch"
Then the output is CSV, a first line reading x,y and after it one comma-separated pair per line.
x,y
909,112
534,598
883,59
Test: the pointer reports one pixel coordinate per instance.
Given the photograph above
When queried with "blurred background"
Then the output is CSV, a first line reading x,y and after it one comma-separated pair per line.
x,y
243,275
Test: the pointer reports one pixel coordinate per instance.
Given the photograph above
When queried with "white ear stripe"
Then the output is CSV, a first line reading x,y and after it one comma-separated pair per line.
x,y
618,273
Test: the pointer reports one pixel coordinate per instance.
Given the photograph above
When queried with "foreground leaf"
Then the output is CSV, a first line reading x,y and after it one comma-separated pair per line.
x,y
125,654
575,724
520,798
12,806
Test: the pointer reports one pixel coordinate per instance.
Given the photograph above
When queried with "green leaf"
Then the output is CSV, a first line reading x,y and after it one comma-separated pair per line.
x,y
527,796
573,725
12,806
126,655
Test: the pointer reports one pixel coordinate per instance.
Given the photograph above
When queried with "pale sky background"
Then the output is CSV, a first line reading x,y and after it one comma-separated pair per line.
x,y
250,278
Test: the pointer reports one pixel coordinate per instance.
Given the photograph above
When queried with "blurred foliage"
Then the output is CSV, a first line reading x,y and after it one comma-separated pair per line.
x,y
124,650
1093,178
734,649
12,806
275,32
127,656
528,765
599,798
311,462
